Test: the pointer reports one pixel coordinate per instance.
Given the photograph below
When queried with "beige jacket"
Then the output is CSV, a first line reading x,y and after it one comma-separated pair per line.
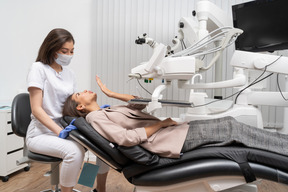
x,y
124,125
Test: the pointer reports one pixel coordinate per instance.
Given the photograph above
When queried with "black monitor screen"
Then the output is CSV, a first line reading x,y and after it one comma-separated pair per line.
x,y
265,25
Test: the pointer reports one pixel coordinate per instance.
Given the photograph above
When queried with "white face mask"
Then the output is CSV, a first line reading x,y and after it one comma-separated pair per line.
x,y
63,60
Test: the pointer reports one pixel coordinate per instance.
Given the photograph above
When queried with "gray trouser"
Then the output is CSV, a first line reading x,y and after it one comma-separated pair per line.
x,y
226,130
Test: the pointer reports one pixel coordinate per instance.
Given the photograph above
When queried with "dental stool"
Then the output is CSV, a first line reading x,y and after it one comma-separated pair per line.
x,y
20,119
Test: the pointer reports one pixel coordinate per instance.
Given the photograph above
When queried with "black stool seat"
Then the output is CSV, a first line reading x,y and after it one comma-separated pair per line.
x,y
43,158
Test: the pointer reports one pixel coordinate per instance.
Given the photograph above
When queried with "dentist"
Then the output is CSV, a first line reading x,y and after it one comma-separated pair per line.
x,y
50,82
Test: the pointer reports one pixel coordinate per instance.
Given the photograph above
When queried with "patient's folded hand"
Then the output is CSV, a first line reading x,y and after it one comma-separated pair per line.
x,y
168,122
65,132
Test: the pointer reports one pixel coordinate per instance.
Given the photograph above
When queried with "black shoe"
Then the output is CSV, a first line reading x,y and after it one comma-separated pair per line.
x,y
94,190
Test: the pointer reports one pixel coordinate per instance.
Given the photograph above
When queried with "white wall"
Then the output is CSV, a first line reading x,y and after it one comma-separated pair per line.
x,y
25,24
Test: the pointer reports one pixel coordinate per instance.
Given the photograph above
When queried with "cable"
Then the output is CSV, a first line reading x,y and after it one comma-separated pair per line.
x,y
254,82
251,84
205,41
182,46
278,85
233,93
182,41
273,61
143,87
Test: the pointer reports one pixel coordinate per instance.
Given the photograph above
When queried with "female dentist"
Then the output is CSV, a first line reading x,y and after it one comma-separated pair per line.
x,y
50,82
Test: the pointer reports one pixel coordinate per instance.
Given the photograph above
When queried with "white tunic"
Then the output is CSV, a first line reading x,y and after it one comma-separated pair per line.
x,y
56,88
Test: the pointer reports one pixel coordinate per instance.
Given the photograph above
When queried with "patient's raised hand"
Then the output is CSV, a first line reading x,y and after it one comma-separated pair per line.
x,y
103,87
109,93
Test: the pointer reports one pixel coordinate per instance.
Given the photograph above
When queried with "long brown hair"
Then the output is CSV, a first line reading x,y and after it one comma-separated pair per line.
x,y
69,108
53,43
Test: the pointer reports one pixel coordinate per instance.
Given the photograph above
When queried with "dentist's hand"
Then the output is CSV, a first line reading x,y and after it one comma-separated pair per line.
x,y
65,132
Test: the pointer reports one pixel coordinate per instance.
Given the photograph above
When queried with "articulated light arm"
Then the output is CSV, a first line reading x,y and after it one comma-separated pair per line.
x,y
239,80
261,62
258,61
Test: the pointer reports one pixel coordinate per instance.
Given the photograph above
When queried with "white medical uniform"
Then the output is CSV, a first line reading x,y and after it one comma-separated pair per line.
x,y
56,88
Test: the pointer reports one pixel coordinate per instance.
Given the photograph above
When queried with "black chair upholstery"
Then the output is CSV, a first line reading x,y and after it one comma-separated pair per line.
x,y
20,114
20,120
237,160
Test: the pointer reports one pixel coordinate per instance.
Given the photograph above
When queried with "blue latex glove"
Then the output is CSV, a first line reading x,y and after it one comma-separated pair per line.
x,y
104,106
65,132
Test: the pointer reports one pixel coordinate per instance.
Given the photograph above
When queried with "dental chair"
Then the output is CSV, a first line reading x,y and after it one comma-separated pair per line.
x,y
20,119
229,168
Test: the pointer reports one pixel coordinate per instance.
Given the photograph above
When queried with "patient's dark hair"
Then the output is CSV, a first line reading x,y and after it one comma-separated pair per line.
x,y
69,108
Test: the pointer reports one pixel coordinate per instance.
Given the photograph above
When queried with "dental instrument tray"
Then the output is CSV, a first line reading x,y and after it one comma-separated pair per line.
x,y
176,103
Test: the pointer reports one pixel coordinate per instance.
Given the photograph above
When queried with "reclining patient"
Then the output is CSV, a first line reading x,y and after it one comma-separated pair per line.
x,y
128,125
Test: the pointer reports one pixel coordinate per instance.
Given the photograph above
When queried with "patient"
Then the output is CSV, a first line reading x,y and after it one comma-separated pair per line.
x,y
128,125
